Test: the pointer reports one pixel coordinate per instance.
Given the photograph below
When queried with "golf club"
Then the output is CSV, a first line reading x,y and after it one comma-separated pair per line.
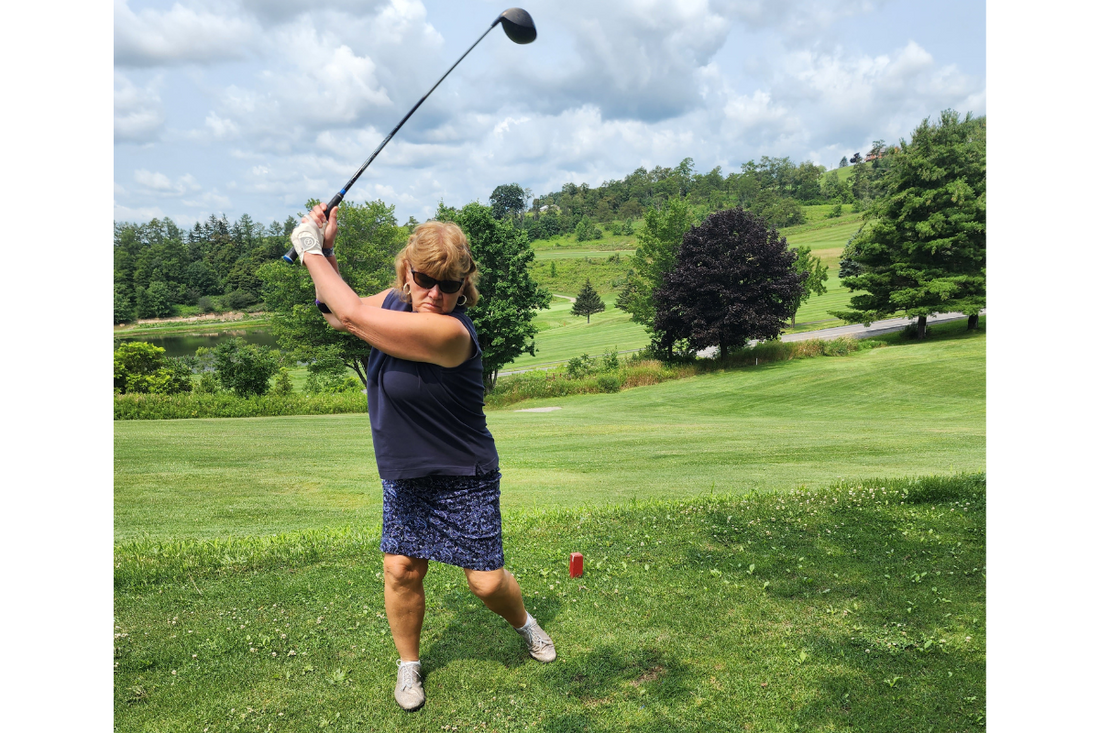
x,y
517,25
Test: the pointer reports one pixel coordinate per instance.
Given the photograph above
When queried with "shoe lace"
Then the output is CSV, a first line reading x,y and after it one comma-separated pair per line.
x,y
409,675
536,640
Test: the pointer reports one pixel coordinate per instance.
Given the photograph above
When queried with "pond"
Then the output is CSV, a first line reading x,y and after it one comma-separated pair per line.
x,y
186,344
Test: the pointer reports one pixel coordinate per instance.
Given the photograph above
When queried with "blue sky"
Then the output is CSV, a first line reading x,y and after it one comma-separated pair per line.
x,y
253,107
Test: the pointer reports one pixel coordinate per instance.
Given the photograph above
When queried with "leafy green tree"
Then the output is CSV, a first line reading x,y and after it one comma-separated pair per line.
x,y
245,368
922,246
658,241
843,161
507,200
505,313
142,368
124,307
816,274
366,243
734,280
587,230
588,302
154,301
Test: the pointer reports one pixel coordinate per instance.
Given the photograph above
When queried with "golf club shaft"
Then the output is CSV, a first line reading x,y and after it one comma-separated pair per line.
x,y
291,255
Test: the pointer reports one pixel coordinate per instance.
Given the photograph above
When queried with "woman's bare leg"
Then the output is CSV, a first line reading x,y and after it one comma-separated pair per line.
x,y
405,602
500,593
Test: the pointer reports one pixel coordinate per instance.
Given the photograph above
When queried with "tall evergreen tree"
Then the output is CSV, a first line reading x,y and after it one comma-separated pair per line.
x,y
588,302
922,247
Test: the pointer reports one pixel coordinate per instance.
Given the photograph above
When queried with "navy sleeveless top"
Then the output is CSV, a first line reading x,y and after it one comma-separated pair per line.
x,y
427,420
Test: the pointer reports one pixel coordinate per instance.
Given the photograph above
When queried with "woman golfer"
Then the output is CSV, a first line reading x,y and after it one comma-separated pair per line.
x,y
436,457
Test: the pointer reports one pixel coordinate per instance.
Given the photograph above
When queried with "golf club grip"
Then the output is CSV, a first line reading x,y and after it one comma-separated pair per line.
x,y
291,255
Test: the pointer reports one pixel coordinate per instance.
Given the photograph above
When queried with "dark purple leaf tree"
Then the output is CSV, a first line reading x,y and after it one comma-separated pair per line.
x,y
735,279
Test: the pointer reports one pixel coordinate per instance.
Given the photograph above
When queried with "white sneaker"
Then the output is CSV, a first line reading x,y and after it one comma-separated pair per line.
x,y
538,641
409,691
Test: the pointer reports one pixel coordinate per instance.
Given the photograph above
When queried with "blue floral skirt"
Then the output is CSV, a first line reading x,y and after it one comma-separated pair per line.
x,y
449,519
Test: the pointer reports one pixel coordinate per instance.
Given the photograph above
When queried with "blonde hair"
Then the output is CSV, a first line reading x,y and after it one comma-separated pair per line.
x,y
438,249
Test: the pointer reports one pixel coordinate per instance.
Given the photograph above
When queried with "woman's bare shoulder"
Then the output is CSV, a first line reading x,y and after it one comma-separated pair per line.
x,y
377,299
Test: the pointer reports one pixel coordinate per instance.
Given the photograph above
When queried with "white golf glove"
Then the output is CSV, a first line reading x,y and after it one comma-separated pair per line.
x,y
306,237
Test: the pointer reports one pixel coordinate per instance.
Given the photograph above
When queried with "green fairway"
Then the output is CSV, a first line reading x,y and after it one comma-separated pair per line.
x,y
562,335
904,410
826,239
857,608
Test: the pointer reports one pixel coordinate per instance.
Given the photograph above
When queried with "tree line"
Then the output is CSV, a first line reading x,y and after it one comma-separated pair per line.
x,y
721,282
161,269
774,188
158,266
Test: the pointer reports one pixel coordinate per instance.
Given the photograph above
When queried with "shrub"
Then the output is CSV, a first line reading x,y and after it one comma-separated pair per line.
x,y
244,368
142,368
609,383
207,304
208,383
283,385
239,299
610,362
227,404
580,366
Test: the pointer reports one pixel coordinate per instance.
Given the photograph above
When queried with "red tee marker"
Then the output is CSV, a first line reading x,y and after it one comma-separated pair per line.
x,y
576,564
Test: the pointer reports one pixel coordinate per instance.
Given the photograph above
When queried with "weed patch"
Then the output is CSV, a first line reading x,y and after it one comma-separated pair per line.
x,y
587,375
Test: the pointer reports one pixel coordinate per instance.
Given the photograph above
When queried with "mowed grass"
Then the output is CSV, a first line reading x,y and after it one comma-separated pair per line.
x,y
563,335
854,608
903,410
826,238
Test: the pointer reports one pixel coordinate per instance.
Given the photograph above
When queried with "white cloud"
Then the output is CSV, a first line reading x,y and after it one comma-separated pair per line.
x,y
139,113
158,183
137,214
890,92
221,129
634,60
178,35
208,200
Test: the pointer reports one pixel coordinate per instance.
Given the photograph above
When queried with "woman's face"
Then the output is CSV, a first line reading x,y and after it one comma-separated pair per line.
x,y
430,300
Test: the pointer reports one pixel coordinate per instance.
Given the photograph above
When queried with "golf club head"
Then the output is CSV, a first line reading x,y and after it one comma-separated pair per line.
x,y
518,25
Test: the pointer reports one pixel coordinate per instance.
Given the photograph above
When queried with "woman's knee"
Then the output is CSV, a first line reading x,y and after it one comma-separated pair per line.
x,y
404,571
487,583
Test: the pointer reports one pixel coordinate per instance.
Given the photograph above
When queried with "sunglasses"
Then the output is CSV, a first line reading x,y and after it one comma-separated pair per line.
x,y
427,282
